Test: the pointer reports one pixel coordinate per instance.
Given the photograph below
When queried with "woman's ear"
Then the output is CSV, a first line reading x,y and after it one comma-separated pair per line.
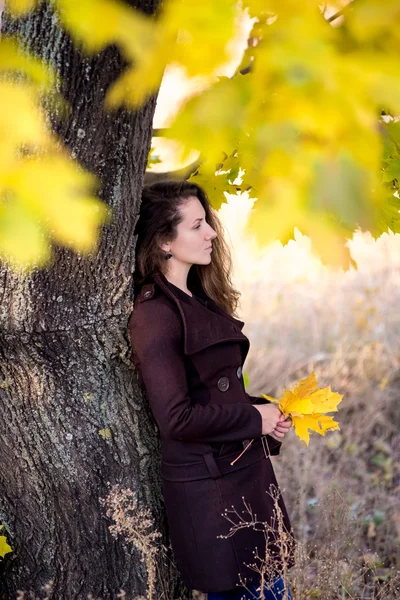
x,y
165,247
164,244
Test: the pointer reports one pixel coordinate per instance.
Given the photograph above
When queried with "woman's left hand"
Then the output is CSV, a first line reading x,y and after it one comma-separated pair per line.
x,y
282,428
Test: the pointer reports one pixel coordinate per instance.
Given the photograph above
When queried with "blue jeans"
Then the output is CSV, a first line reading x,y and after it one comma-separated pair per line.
x,y
273,591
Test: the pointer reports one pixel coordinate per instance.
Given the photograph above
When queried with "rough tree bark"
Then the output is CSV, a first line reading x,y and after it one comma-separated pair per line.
x,y
65,363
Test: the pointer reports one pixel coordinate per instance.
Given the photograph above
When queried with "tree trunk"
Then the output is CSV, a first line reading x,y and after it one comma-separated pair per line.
x,y
73,421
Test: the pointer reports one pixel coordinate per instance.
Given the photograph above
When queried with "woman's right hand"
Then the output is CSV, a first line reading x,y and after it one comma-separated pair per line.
x,y
271,416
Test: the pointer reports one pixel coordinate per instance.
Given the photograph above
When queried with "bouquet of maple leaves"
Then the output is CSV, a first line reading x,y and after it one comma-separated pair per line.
x,y
307,406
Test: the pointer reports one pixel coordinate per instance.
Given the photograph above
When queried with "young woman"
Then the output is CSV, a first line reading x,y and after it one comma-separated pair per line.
x,y
189,350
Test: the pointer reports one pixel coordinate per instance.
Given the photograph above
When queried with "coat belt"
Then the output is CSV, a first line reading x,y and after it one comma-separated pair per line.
x,y
212,467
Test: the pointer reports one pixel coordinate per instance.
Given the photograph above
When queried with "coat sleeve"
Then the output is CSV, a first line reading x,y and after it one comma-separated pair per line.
x,y
258,400
157,345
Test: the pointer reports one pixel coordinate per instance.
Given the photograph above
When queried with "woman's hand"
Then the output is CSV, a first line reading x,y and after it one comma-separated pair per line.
x,y
282,428
271,416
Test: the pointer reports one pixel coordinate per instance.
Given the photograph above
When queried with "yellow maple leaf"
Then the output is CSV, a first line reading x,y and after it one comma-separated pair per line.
x,y
4,547
307,404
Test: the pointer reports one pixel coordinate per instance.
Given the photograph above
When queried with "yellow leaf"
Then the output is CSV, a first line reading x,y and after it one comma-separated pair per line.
x,y
318,423
20,120
12,59
276,212
20,7
105,433
4,547
291,403
217,117
306,405
76,224
325,401
43,193
136,84
306,386
96,23
63,205
200,54
326,423
327,242
301,429
175,36
23,242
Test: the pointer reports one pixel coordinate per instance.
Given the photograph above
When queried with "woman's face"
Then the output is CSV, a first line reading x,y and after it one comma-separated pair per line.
x,y
193,243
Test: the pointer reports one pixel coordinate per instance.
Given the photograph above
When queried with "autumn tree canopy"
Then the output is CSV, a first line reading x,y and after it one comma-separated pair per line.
x,y
309,118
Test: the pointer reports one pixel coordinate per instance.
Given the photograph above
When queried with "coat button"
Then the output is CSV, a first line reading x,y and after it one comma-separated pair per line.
x,y
148,294
223,384
239,372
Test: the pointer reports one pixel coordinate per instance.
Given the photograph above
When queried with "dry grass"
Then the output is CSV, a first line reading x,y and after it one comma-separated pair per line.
x,y
343,490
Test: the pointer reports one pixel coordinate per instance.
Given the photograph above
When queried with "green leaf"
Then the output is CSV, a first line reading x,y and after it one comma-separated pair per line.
x,y
392,130
392,171
246,378
215,187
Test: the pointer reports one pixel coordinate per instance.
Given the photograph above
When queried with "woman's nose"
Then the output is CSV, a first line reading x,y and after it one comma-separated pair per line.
x,y
211,234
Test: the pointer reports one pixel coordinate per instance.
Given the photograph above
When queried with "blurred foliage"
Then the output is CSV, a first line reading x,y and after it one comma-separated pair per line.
x,y
44,194
307,117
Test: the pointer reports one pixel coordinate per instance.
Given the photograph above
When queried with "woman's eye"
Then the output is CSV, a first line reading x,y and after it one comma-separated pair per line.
x,y
198,226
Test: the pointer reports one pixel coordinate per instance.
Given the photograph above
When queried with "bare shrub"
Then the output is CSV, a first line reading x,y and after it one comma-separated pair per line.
x,y
136,525
278,543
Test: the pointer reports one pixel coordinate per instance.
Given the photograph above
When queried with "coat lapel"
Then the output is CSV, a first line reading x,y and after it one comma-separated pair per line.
x,y
203,325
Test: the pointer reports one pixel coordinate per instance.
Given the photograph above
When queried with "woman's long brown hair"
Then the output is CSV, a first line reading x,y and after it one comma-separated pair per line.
x,y
158,220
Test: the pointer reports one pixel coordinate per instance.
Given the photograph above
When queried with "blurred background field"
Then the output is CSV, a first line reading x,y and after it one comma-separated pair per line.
x,y
343,491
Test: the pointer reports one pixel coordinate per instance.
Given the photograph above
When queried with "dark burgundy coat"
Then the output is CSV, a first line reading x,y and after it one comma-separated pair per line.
x,y
190,355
